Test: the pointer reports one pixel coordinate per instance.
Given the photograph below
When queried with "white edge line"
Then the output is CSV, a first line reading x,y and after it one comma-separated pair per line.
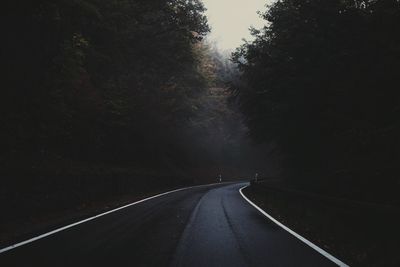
x,y
94,217
304,240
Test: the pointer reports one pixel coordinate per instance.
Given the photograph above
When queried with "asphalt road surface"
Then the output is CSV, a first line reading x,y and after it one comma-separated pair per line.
x,y
203,226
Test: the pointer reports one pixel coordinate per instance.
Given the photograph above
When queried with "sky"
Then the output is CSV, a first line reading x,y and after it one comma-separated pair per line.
x,y
230,20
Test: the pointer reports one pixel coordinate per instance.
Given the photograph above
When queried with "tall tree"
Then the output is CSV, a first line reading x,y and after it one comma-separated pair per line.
x,y
320,80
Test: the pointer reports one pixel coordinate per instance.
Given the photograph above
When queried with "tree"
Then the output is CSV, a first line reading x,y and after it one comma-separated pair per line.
x,y
320,82
95,73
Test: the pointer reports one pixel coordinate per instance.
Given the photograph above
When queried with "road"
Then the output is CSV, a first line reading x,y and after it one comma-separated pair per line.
x,y
202,226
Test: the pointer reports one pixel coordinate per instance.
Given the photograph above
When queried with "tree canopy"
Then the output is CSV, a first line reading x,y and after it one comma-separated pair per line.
x,y
87,75
321,81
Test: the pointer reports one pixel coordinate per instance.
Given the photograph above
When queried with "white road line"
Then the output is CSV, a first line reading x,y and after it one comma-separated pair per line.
x,y
307,242
95,217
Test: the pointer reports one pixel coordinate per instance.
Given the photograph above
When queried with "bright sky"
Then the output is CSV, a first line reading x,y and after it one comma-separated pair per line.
x,y
230,20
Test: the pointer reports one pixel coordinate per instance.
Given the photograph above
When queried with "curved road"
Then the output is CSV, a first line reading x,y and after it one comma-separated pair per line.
x,y
202,226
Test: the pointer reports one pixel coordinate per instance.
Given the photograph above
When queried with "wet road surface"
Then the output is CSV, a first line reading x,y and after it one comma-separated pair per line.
x,y
202,226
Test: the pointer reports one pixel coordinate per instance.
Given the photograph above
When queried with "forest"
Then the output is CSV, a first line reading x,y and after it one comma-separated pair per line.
x,y
321,82
100,99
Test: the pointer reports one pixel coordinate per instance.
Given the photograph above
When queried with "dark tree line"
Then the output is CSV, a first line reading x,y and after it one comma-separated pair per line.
x,y
94,89
98,79
322,82
102,98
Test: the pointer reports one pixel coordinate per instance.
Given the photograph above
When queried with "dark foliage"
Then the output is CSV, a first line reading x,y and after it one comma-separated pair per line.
x,y
103,98
97,79
321,80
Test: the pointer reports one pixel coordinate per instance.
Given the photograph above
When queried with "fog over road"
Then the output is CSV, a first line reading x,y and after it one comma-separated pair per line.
x,y
202,226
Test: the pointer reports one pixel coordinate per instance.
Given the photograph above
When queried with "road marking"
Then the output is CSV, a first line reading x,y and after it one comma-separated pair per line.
x,y
95,217
304,240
